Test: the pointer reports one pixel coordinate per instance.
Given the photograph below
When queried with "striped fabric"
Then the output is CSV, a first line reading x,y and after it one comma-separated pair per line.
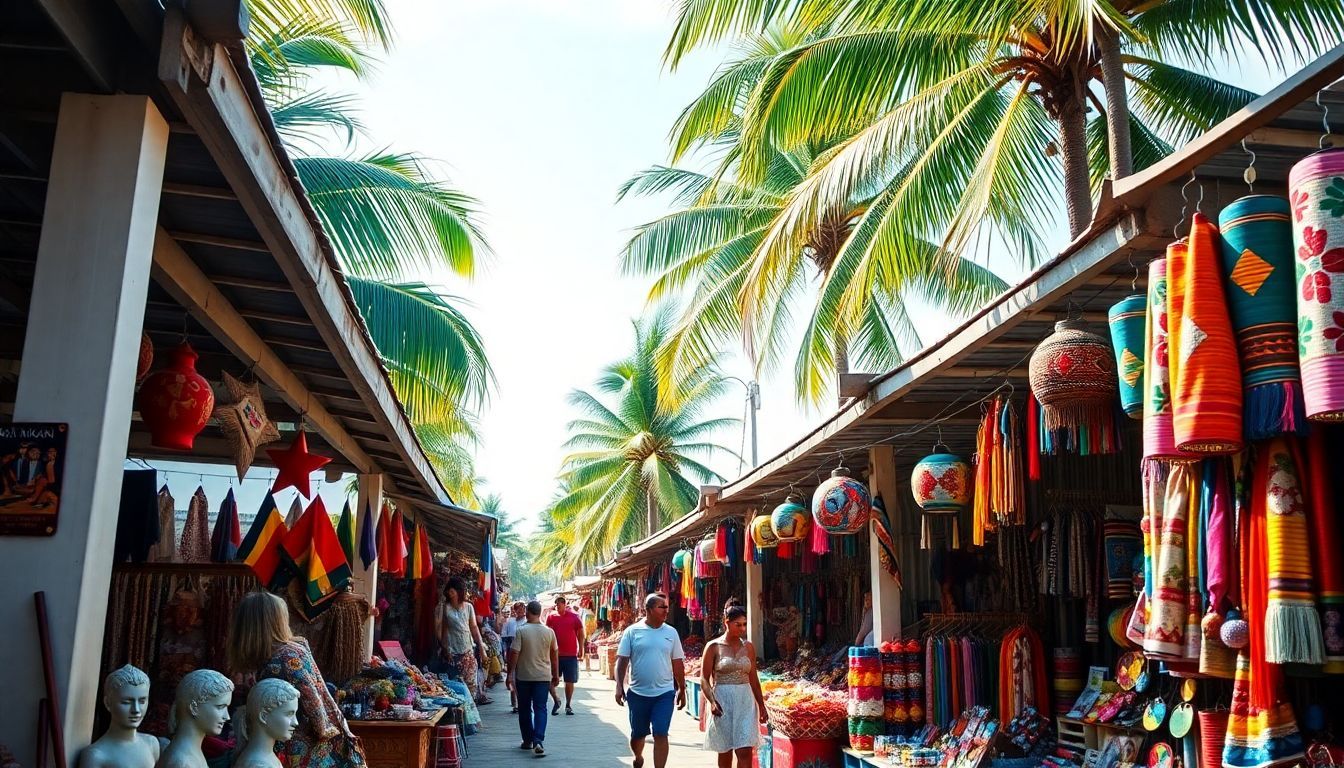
x,y
1169,600
1292,626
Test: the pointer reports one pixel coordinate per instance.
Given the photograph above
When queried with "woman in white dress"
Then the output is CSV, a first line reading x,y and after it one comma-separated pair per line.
x,y
732,691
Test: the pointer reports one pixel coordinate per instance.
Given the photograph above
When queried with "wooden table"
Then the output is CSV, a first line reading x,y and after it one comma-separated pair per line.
x,y
398,743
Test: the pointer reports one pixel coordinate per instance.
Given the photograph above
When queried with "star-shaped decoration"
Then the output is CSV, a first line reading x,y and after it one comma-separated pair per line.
x,y
296,464
244,422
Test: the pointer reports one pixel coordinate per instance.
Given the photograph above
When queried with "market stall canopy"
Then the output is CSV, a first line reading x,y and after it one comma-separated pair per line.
x,y
242,269
941,387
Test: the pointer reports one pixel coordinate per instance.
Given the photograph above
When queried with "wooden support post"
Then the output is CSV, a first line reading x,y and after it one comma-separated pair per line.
x,y
755,615
366,579
88,307
886,592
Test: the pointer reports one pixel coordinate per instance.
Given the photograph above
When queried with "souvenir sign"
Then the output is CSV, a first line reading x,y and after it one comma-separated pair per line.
x,y
1161,756
1154,714
1182,716
32,463
1188,689
1128,669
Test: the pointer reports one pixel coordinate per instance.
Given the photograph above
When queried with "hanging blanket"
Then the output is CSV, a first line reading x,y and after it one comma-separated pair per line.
x,y
1123,542
1205,374
1318,237
1257,260
1292,626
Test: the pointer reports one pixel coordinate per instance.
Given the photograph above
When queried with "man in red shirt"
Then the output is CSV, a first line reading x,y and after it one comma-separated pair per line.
x,y
568,628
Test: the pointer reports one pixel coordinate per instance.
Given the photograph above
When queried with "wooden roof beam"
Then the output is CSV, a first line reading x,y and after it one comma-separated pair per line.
x,y
174,270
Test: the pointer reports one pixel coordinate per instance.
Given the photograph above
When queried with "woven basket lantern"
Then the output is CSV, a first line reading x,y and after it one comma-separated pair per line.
x,y
1073,376
763,532
790,520
841,504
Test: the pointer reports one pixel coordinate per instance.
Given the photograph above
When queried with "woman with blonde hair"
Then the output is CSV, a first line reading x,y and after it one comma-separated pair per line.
x,y
262,644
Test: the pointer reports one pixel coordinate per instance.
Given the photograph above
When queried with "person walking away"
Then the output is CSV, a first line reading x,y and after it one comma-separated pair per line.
x,y
261,643
460,638
568,628
732,690
534,670
589,617
650,653
517,616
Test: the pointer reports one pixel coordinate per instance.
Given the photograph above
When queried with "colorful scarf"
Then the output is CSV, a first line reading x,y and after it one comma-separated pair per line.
x,y
1169,601
1127,321
1205,374
1325,548
1257,261
1154,493
1318,235
1292,625
1159,442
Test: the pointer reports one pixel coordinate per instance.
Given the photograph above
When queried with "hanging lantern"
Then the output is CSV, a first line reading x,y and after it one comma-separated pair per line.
x,y
1318,237
175,402
1073,378
706,549
841,505
1129,320
763,533
941,483
683,559
146,359
790,520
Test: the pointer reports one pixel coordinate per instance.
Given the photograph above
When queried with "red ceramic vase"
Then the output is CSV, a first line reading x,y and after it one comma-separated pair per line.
x,y
175,402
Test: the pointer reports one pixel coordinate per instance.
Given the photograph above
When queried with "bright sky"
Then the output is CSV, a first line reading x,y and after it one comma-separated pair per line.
x,y
541,108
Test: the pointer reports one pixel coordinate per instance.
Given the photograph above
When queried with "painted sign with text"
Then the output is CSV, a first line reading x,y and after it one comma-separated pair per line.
x,y
32,466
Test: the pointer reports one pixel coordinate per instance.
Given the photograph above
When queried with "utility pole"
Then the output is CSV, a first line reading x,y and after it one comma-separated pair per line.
x,y
754,395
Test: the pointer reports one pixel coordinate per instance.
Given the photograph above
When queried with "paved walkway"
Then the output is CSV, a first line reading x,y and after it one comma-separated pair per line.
x,y
594,737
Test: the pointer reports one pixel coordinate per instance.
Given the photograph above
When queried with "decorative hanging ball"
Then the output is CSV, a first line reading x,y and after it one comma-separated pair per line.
x,y
1235,633
146,359
941,483
175,402
763,532
1318,236
841,504
706,549
790,520
682,559
1072,374
1128,320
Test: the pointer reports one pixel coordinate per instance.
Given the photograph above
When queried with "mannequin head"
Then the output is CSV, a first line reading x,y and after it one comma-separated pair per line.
x,y
272,709
126,696
203,699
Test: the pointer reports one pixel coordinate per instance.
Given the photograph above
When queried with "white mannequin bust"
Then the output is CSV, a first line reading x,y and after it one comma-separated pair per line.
x,y
272,715
201,709
126,696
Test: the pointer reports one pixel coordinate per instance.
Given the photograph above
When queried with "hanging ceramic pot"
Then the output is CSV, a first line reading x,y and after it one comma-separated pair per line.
x,y
841,504
763,532
790,520
175,402
941,483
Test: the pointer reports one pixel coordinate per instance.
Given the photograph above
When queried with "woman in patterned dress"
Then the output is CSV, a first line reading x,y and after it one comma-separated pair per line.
x,y
260,642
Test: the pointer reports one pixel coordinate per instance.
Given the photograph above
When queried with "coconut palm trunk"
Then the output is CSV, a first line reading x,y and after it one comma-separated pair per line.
x,y
1117,102
1071,114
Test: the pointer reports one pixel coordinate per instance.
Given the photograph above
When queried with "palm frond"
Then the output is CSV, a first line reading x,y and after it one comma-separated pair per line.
x,y
1180,104
369,18
303,116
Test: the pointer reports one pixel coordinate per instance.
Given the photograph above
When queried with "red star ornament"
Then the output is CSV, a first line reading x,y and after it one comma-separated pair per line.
x,y
296,464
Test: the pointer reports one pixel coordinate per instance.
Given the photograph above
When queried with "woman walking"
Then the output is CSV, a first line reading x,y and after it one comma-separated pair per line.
x,y
260,643
460,637
733,691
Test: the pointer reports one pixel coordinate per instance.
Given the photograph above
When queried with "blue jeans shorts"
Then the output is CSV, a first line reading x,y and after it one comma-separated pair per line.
x,y
650,713
569,669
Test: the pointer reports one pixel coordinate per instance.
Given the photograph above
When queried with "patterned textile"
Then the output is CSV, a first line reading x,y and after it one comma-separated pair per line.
x,y
1318,236
322,740
195,546
1168,605
1154,493
165,551
1325,547
1257,261
1123,542
1126,319
1159,441
1292,626
1205,373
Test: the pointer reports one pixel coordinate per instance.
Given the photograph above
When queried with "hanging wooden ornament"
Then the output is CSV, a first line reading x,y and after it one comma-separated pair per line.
x,y
296,465
176,402
763,532
244,422
841,504
790,520
1073,377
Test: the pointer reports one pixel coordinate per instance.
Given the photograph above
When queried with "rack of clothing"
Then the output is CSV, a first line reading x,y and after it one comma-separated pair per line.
x,y
995,660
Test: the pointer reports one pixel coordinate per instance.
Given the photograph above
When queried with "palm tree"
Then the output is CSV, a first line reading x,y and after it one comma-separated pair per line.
x,y
523,580
716,241
387,217
635,462
951,103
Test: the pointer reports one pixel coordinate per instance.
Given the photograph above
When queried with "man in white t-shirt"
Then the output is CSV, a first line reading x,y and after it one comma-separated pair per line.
x,y
517,616
650,652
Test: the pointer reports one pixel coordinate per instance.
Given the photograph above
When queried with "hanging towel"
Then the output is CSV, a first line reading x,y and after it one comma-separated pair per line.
x,y
165,551
1165,635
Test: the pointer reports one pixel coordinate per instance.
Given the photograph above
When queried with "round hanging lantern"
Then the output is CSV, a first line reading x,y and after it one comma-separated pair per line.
x,y
175,402
763,533
841,504
1073,376
682,559
941,483
146,359
790,520
706,549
